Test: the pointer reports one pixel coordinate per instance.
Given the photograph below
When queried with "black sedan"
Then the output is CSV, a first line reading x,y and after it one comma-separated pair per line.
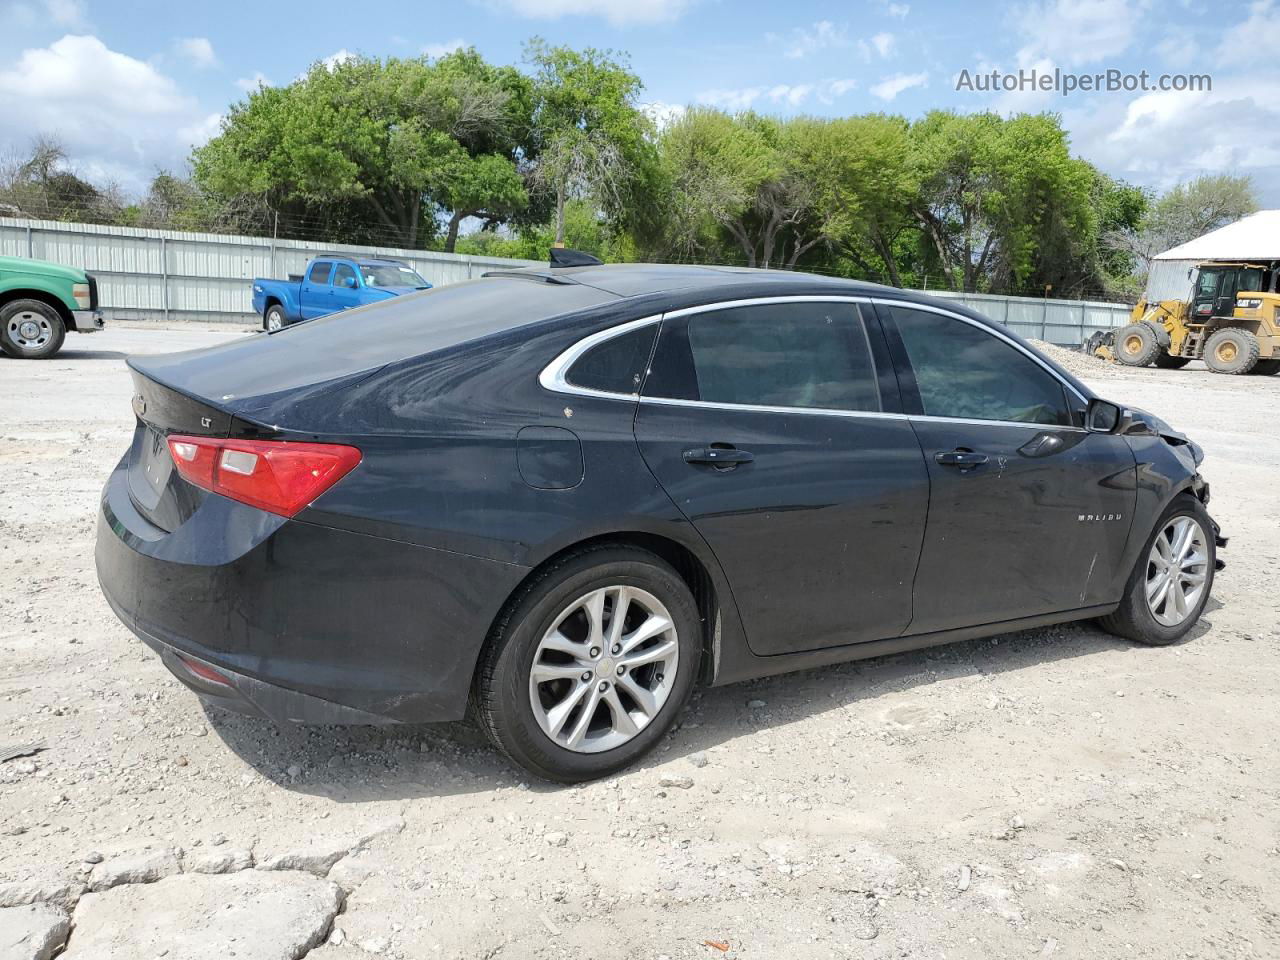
x,y
566,495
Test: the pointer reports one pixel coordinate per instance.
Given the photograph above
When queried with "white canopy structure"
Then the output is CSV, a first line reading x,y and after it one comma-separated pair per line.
x,y
1255,238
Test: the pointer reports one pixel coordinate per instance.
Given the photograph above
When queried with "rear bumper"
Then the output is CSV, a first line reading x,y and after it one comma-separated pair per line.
x,y
307,623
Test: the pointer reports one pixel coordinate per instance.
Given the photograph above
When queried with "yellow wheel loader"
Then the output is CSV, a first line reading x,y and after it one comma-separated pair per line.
x,y
1231,321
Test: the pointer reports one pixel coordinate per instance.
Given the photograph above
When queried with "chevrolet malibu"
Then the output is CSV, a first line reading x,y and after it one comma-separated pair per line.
x,y
561,497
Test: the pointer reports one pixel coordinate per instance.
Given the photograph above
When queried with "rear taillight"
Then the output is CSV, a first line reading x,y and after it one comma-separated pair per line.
x,y
279,476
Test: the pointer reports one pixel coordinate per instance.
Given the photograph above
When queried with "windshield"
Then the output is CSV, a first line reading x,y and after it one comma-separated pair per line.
x,y
390,275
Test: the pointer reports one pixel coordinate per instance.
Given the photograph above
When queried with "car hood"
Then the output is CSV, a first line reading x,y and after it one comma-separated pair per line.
x,y
42,268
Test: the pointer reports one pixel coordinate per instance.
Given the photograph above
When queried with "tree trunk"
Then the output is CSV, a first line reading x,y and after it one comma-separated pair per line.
x,y
884,247
560,213
451,238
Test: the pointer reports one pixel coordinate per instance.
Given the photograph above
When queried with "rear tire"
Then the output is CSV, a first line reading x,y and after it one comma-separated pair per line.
x,y
273,318
31,330
1231,351
1167,361
1137,345
590,718
1157,623
1265,368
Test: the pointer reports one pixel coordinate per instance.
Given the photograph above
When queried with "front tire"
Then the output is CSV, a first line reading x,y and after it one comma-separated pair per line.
x,y
1172,579
31,330
1137,345
569,690
274,318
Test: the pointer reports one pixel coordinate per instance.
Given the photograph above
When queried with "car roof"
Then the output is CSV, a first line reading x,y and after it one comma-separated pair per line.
x,y
637,279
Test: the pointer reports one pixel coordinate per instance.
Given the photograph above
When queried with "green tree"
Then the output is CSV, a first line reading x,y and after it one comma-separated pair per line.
x,y
996,196
863,186
590,139
394,141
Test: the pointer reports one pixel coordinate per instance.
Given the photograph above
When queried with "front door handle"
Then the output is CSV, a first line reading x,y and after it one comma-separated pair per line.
x,y
964,459
718,456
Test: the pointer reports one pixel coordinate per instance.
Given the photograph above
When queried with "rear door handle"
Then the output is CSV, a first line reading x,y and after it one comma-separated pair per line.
x,y
719,456
960,458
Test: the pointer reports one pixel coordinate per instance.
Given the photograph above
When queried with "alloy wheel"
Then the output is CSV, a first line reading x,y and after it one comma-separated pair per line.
x,y
1177,569
604,669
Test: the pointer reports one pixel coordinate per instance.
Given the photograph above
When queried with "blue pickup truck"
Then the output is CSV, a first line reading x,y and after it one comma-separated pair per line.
x,y
331,283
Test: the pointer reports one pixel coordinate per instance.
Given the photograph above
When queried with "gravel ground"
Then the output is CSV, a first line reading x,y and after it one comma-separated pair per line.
x,y
1050,793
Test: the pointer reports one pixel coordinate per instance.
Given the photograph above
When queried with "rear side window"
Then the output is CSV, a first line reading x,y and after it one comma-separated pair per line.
x,y
319,272
964,372
804,354
617,365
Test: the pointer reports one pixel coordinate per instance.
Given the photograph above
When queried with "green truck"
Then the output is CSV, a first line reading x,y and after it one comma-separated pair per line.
x,y
40,302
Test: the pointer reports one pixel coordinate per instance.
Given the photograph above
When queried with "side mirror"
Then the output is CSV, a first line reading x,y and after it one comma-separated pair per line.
x,y
349,282
1102,416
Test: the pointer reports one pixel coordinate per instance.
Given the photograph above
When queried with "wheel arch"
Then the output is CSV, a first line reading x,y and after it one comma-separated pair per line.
x,y
68,320
709,591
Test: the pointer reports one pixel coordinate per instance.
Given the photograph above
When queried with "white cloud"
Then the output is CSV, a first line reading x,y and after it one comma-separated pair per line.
x,y
249,84
883,45
66,13
1075,32
890,87
617,12
898,10
118,116
1117,133
733,99
198,50
437,50
805,41
782,94
337,57
662,114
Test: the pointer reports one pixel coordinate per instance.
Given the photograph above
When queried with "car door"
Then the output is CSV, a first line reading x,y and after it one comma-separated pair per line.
x,y
1028,512
346,287
316,294
774,427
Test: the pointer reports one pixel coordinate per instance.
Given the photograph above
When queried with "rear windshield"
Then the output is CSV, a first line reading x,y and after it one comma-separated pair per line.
x,y
363,339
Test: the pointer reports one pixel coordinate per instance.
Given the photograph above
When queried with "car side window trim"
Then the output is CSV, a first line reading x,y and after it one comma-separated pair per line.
x,y
553,376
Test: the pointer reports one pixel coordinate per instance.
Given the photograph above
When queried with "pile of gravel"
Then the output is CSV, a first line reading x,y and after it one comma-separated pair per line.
x,y
1081,364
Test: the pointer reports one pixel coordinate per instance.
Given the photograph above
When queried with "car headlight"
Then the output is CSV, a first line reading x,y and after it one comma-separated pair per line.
x,y
80,293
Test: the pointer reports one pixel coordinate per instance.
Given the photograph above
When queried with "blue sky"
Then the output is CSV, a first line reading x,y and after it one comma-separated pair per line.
x,y
130,86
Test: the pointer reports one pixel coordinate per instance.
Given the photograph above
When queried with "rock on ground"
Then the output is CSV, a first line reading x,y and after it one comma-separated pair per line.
x,y
33,932
266,916
146,867
228,860
61,893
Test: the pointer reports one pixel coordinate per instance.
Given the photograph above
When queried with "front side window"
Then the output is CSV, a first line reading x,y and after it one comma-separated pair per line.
x,y
344,275
319,272
964,372
801,354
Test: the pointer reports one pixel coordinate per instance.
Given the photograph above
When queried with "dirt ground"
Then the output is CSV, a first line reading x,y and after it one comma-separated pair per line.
x,y
1054,792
